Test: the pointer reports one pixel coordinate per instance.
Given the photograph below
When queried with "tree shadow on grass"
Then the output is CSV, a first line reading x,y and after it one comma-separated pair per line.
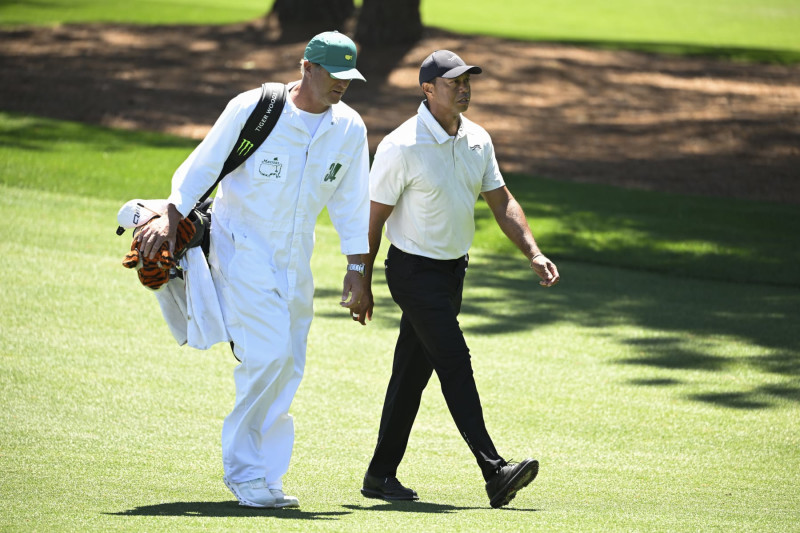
x,y
733,400
687,236
760,397
226,509
670,353
681,325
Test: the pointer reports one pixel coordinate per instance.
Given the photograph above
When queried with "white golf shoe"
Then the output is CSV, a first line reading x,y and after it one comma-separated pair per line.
x,y
282,500
255,493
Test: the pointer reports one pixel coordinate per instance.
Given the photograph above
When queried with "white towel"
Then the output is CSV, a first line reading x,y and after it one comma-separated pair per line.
x,y
190,305
172,299
206,326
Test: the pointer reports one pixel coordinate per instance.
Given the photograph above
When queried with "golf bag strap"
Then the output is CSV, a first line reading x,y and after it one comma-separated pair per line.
x,y
255,131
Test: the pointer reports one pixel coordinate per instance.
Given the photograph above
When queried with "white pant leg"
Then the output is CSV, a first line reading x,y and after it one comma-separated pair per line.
x,y
268,324
265,384
278,429
269,334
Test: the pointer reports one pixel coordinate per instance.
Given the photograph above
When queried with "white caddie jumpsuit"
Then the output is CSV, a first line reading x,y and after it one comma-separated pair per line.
x,y
262,237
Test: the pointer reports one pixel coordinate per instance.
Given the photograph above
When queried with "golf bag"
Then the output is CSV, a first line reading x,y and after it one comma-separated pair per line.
x,y
256,129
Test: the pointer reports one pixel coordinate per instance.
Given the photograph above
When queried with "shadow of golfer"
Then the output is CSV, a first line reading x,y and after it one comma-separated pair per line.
x,y
225,509
424,507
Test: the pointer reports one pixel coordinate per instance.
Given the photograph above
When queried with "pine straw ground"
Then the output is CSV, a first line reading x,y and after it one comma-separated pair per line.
x,y
681,124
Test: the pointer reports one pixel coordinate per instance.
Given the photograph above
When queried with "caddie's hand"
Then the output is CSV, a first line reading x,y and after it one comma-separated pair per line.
x,y
158,230
355,297
545,269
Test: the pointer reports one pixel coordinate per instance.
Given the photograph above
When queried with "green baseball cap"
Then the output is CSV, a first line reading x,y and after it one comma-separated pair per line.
x,y
336,53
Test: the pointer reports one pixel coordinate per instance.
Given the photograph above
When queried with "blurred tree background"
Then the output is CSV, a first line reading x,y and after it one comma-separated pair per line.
x,y
379,22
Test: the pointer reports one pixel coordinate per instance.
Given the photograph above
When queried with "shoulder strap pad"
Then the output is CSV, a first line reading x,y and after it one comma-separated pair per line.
x,y
255,131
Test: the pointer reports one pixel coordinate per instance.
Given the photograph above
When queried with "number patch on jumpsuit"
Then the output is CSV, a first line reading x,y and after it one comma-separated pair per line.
x,y
272,167
335,169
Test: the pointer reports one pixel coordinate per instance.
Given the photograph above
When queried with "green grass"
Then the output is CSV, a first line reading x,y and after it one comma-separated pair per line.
x,y
759,30
688,236
748,29
692,237
655,401
40,153
14,12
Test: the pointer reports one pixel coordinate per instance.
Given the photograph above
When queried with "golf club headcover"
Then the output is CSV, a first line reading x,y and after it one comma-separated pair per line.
x,y
154,273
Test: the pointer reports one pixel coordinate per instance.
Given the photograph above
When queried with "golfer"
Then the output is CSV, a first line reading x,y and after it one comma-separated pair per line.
x,y
425,180
262,236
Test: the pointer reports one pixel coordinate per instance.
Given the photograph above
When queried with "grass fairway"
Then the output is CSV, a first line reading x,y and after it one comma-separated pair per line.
x,y
693,237
741,28
654,401
132,11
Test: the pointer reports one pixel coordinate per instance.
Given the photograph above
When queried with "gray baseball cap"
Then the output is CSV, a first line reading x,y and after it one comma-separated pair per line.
x,y
444,64
336,53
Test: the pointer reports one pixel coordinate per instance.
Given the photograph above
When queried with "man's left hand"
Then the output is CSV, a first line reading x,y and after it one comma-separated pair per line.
x,y
546,270
355,286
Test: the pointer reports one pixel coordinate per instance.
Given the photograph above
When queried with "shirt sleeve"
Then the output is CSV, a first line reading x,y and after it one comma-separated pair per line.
x,y
388,175
492,178
201,169
348,207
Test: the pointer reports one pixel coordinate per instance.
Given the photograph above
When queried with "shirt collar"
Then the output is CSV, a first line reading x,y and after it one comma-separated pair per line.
x,y
332,114
436,129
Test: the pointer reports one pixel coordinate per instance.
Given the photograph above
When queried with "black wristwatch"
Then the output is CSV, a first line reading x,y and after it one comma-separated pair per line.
x,y
356,268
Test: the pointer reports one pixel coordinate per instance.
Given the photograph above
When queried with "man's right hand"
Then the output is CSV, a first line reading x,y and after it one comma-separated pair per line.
x,y
163,228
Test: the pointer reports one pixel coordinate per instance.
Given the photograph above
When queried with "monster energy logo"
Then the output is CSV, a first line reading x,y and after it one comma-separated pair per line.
x,y
331,175
244,147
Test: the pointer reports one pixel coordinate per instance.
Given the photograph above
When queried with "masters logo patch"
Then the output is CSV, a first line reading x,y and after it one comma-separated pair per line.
x,y
272,167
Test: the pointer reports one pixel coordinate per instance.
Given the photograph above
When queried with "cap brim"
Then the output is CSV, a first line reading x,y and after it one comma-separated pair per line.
x,y
344,73
458,71
136,213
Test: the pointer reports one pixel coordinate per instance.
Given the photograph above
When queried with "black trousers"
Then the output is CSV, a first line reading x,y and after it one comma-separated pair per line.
x,y
428,291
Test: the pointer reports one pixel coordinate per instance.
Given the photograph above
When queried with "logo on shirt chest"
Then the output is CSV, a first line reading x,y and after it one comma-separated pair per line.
x,y
332,170
272,168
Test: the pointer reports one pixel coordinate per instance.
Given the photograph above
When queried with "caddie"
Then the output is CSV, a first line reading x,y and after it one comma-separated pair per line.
x,y
262,237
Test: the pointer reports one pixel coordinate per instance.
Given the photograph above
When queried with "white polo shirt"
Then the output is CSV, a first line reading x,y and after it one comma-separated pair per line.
x,y
433,180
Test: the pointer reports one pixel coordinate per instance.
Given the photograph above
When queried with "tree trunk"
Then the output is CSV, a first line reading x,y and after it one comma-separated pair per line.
x,y
322,15
389,22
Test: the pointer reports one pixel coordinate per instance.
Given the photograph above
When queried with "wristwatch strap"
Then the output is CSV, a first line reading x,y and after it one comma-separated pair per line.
x,y
359,267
